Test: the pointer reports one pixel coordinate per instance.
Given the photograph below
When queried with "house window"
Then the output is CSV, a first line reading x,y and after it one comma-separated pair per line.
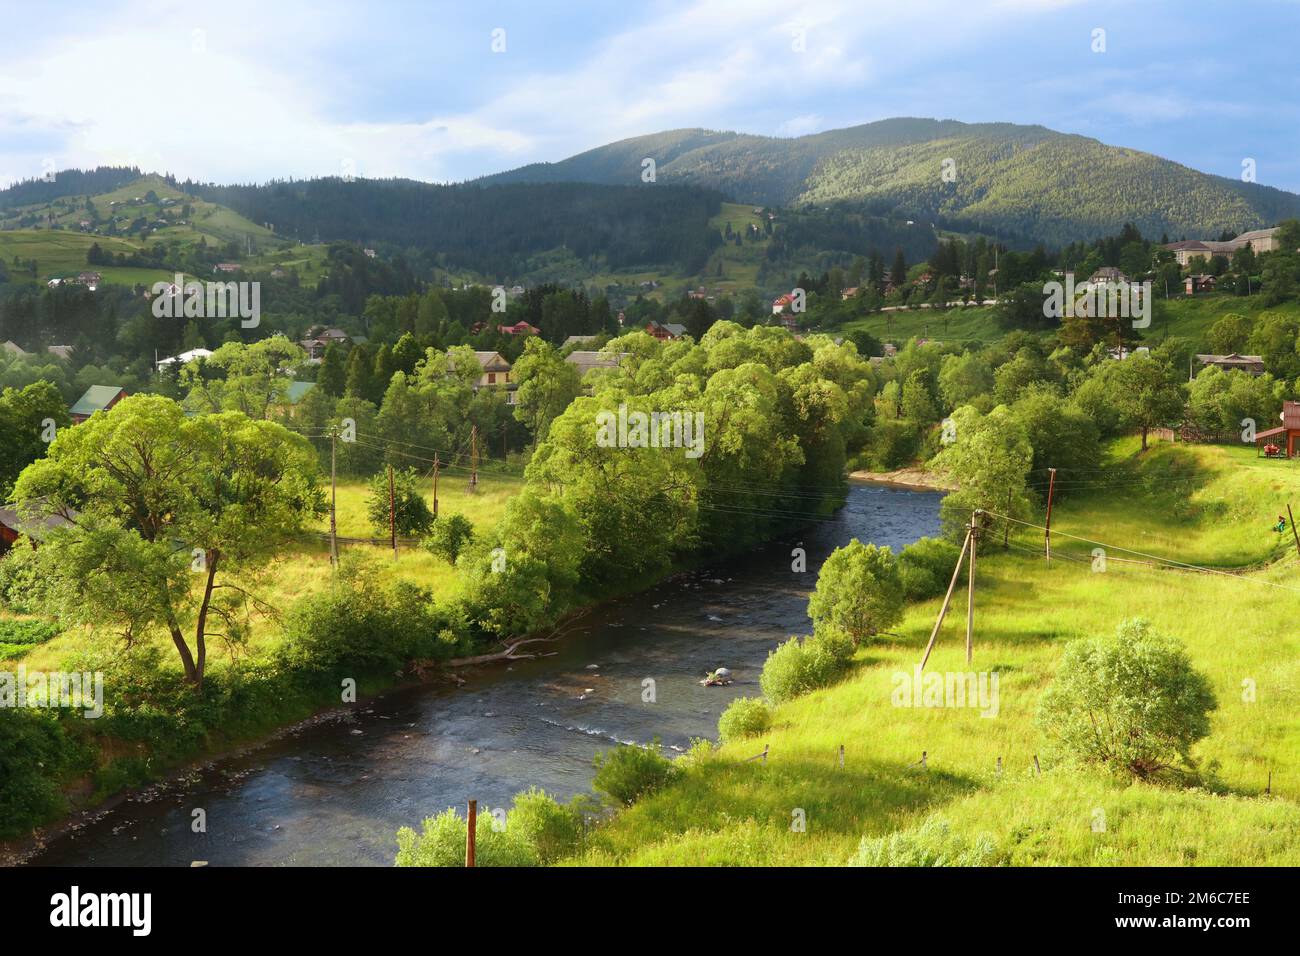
x,y
492,378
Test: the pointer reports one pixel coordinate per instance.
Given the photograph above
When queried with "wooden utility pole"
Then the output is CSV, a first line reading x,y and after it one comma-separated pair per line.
x,y
435,484
946,600
1047,531
970,588
392,512
1006,525
473,458
334,494
1295,534
469,833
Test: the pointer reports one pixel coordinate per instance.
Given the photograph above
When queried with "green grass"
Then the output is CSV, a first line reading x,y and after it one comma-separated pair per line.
x,y
1236,629
304,569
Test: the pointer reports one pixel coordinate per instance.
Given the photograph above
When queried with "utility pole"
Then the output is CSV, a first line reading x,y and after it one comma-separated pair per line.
x,y
947,599
1295,534
435,484
970,587
473,458
1047,530
392,512
334,494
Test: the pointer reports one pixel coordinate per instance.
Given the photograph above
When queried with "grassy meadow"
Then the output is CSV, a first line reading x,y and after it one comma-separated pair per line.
x,y
1198,505
304,569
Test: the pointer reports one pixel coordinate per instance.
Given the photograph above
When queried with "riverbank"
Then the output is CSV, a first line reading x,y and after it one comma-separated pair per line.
x,y
913,477
336,794
978,777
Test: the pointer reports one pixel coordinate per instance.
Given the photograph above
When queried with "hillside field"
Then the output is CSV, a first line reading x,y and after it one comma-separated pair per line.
x,y
1194,504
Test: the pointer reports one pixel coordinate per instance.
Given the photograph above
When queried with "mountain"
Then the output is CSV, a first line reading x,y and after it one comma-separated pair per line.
x,y
1019,182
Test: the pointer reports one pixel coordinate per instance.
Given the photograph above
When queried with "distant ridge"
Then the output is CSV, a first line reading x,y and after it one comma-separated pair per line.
x,y
1026,181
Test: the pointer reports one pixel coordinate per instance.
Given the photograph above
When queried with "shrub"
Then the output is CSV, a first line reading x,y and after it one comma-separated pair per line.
x,y
858,591
629,772
410,512
551,829
369,627
931,844
442,843
744,717
23,583
449,536
797,667
33,753
1132,702
925,568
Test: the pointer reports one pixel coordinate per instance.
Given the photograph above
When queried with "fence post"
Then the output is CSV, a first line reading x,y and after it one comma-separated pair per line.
x,y
469,833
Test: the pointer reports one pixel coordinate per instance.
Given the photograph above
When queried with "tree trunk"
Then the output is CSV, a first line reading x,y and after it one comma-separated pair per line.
x,y
200,626
1144,438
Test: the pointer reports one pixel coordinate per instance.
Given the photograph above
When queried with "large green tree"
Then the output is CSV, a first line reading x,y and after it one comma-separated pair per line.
x,y
167,516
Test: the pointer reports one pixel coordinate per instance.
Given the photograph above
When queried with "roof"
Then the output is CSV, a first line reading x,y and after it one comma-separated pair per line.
x,y
586,361
673,327
492,361
186,356
34,525
60,351
96,399
14,348
298,391
578,340
1291,415
1233,359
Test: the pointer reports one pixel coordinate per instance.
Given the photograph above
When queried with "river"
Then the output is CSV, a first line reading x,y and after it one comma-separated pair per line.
x,y
335,793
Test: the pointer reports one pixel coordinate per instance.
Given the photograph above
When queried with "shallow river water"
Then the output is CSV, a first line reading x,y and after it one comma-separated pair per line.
x,y
335,793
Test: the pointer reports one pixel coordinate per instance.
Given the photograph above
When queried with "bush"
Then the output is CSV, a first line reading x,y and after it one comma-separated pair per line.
x,y
361,625
858,591
442,843
23,583
931,844
629,772
552,830
744,717
34,751
410,512
449,536
1132,703
797,667
925,567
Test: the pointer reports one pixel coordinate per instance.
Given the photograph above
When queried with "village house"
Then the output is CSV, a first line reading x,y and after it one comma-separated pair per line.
x,y
1259,240
587,361
494,370
519,328
13,525
97,398
14,349
1290,428
781,303
1199,283
665,331
319,339
184,358
578,340
1250,364
227,267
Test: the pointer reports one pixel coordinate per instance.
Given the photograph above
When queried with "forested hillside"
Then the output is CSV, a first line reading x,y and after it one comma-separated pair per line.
x,y
1026,183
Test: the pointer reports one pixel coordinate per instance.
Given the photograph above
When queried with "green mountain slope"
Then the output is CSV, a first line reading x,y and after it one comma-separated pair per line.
x,y
1025,182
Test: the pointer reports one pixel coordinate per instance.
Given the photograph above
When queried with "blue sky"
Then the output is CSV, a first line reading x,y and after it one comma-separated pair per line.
x,y
248,91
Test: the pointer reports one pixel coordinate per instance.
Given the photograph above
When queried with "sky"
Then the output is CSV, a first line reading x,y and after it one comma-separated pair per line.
x,y
243,91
